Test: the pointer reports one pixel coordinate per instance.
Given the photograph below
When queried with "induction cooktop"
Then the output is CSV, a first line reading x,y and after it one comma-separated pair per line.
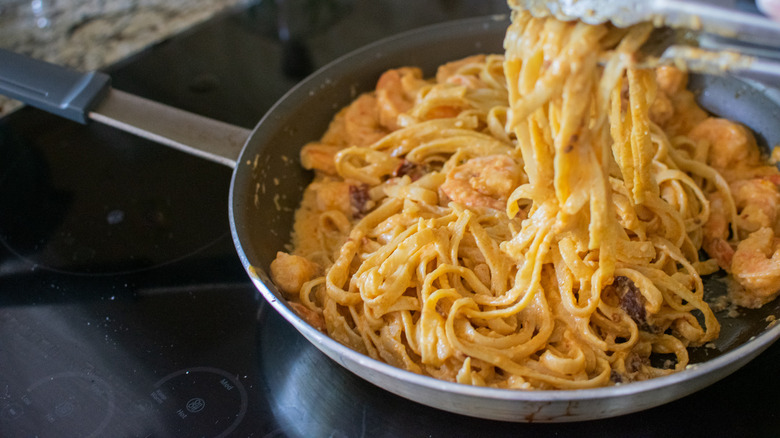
x,y
125,312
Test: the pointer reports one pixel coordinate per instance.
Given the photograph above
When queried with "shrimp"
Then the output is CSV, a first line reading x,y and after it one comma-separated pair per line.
x,y
352,200
662,109
756,267
731,144
483,181
320,156
757,201
332,195
675,107
755,262
394,94
290,272
671,80
357,125
313,318
361,121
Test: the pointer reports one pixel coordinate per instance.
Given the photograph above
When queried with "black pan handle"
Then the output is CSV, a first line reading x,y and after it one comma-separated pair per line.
x,y
52,88
83,96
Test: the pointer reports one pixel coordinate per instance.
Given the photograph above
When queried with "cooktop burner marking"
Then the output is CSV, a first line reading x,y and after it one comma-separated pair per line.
x,y
70,400
196,404
204,399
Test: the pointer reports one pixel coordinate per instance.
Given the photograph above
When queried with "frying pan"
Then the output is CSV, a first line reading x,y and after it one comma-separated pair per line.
x,y
268,182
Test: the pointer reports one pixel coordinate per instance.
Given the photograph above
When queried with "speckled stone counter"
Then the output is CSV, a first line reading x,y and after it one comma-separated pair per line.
x,y
90,34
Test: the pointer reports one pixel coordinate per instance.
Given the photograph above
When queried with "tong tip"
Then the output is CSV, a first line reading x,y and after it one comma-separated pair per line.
x,y
620,14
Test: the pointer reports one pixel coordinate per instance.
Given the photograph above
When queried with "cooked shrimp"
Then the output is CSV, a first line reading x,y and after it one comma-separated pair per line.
x,y
395,94
483,181
336,134
361,121
320,156
755,263
314,319
671,80
290,272
333,195
756,267
716,233
757,201
675,107
662,109
730,144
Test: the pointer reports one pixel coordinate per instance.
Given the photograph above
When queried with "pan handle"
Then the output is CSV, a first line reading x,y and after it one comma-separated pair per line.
x,y
80,96
52,88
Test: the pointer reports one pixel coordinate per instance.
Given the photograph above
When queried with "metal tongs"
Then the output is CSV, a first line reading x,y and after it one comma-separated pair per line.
x,y
695,36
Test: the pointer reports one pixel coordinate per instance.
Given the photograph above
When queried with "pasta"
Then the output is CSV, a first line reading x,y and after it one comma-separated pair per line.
x,y
532,219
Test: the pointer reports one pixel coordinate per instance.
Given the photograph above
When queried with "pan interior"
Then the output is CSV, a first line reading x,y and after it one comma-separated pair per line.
x,y
759,109
268,181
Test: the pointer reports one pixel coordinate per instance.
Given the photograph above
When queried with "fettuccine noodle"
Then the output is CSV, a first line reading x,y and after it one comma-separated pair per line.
x,y
530,220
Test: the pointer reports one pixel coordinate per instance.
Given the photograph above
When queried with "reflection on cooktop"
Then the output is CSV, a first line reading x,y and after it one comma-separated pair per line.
x,y
101,202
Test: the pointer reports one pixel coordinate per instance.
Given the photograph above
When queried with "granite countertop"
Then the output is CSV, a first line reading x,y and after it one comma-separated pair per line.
x,y
90,34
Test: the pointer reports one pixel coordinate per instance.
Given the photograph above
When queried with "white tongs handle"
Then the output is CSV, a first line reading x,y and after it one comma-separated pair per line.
x,y
725,40
694,15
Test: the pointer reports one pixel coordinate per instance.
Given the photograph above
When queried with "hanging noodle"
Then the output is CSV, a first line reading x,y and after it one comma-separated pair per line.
x,y
530,220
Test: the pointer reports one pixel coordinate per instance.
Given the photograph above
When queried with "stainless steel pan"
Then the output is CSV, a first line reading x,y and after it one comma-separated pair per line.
x,y
268,181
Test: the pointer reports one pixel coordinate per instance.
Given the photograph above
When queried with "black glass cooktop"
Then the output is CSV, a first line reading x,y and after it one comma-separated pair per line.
x,y
124,310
